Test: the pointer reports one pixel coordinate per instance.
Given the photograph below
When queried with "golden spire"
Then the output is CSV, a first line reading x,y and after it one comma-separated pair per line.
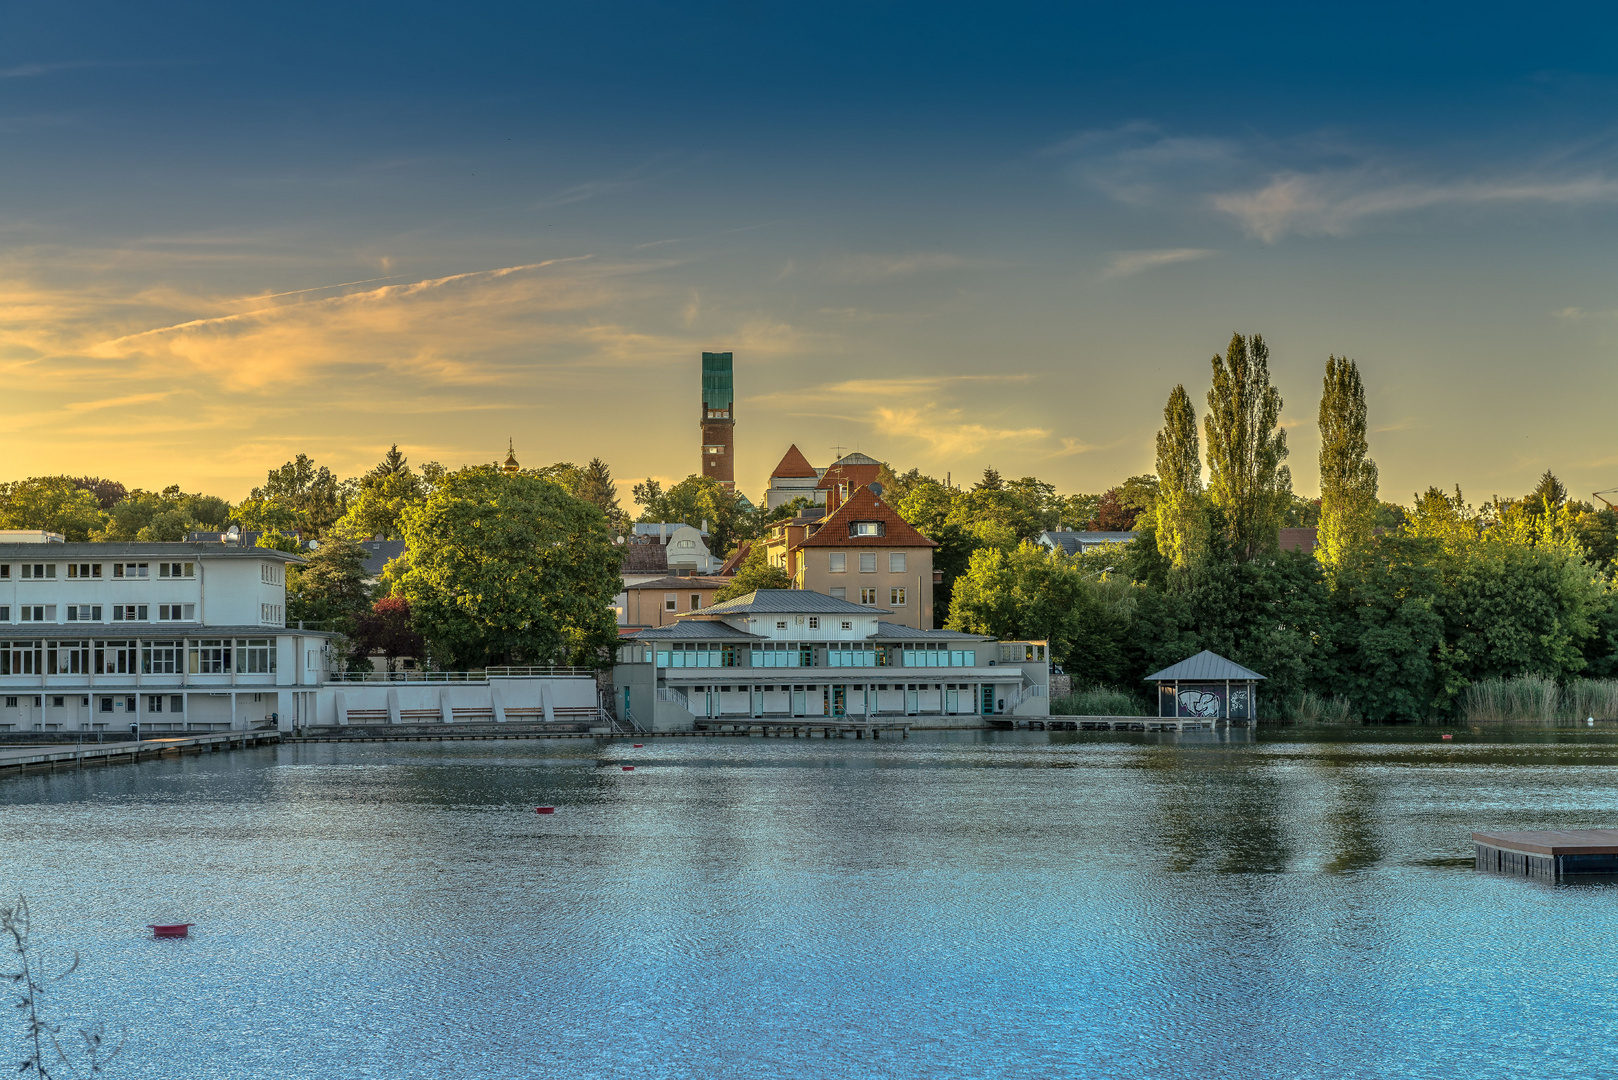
x,y
511,466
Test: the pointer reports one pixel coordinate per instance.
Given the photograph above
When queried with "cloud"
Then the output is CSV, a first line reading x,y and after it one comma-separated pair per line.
x,y
1334,203
1128,263
892,387
870,268
1581,313
945,432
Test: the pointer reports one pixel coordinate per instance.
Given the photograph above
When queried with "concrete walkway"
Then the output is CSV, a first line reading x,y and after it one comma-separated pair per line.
x,y
71,755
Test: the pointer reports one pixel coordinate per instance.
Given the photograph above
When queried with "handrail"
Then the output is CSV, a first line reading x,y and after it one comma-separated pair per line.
x,y
459,676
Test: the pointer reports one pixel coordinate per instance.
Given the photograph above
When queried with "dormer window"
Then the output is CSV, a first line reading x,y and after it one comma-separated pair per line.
x,y
865,528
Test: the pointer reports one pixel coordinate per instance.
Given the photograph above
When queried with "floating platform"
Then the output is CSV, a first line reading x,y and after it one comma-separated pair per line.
x,y
1548,853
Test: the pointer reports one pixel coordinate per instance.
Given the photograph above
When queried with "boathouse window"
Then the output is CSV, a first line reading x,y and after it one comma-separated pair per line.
x,y
814,622
162,658
255,656
210,657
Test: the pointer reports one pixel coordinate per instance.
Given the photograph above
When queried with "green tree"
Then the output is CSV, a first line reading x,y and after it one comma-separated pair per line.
x,y
329,588
52,503
754,573
298,495
597,488
1246,447
1348,501
278,541
1181,518
695,500
510,570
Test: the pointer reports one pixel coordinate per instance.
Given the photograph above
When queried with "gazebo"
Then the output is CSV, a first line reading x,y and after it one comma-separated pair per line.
x,y
1207,685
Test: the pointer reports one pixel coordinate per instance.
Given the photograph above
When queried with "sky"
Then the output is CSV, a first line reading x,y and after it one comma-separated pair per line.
x,y
950,236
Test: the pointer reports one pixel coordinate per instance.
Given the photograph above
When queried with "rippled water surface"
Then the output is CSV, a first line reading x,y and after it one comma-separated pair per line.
x,y
954,905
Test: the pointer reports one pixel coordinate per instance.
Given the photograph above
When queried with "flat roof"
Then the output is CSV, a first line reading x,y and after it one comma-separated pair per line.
x,y
1554,841
200,549
102,631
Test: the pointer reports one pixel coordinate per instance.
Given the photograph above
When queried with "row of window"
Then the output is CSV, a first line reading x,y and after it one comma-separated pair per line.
x,y
896,596
93,571
802,654
837,562
46,613
206,656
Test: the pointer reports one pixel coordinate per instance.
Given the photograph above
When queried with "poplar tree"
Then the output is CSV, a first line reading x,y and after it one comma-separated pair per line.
x,y
1246,446
1347,475
1181,519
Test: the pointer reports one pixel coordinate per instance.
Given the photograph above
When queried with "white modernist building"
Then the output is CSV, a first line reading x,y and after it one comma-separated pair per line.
x,y
176,637
791,652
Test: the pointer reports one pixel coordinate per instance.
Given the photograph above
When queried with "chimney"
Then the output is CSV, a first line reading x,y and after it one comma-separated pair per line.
x,y
663,532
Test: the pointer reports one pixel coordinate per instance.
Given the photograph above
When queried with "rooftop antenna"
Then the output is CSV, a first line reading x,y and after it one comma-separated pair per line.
x,y
838,450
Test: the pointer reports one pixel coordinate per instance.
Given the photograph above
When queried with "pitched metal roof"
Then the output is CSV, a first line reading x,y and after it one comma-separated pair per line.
x,y
1205,667
894,631
378,553
690,629
787,602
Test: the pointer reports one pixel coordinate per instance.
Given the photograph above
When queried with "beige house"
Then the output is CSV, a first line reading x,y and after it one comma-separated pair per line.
x,y
867,554
660,601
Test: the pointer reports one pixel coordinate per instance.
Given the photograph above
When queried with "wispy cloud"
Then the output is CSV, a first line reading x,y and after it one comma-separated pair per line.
x,y
872,268
1128,263
947,433
1581,313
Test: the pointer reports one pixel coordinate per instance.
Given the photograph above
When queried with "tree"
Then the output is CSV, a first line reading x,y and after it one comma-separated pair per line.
x,y
52,503
162,516
1181,519
695,500
510,570
107,492
754,573
299,495
387,628
1246,447
330,589
991,480
393,463
597,488
1348,500
1549,494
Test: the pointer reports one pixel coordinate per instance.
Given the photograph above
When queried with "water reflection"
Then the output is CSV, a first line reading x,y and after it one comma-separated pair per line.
x,y
954,905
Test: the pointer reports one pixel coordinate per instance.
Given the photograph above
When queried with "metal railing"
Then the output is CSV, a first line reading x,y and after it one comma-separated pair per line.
x,y
458,676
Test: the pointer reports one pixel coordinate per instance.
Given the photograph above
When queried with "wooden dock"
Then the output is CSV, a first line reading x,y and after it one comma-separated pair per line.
x,y
76,756
1108,723
829,727
1548,853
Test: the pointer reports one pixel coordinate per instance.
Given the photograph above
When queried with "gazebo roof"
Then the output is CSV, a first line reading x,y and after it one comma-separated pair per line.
x,y
1205,667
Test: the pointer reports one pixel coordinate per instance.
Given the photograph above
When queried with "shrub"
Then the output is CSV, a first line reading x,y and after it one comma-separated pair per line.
x,y
1098,701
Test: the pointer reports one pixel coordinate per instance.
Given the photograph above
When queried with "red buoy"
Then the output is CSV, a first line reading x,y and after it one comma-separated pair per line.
x,y
1447,736
170,929
638,746
629,768
544,809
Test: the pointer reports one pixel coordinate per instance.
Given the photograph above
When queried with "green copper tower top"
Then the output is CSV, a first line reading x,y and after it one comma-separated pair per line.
x,y
718,385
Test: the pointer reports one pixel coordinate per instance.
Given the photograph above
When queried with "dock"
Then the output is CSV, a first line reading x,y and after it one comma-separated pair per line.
x,y
76,756
1548,853
1109,723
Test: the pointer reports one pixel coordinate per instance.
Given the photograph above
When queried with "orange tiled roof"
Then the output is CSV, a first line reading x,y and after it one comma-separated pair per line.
x,y
863,505
794,464
734,563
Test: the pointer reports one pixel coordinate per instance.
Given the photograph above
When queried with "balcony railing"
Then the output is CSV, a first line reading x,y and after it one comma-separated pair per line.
x,y
458,676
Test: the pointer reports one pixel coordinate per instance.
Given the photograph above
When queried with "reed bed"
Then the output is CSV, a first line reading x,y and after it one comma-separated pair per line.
x,y
1097,701
1537,700
1315,708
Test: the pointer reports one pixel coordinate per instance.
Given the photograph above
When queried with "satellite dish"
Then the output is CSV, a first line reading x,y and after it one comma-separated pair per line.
x,y
314,545
234,531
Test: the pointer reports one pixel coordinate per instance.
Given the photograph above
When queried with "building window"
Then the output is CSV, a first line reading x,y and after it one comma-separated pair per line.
x,y
57,702
896,598
268,573
255,656
867,596
83,570
713,449
129,612
106,704
210,657
839,592
865,528
268,614
176,570
867,562
5,571
814,622
896,562
154,702
696,601
5,613
837,562
848,626
162,658
39,613
38,571
177,703
84,613
130,570
781,625
670,602
177,612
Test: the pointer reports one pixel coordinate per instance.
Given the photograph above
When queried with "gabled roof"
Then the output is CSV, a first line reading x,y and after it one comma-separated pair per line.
x,y
686,631
1073,541
794,464
378,553
734,563
786,602
677,583
893,631
1205,667
864,505
645,559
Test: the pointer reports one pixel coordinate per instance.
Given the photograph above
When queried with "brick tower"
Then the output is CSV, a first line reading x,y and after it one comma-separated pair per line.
x,y
718,419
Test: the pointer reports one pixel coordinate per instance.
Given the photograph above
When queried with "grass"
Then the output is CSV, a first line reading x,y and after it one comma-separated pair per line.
x,y
1536,699
1312,708
1097,701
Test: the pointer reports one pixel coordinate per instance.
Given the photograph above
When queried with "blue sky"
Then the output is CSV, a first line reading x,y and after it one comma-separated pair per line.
x,y
949,235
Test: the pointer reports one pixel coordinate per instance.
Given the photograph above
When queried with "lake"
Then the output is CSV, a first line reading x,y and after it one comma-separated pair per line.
x,y
952,905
